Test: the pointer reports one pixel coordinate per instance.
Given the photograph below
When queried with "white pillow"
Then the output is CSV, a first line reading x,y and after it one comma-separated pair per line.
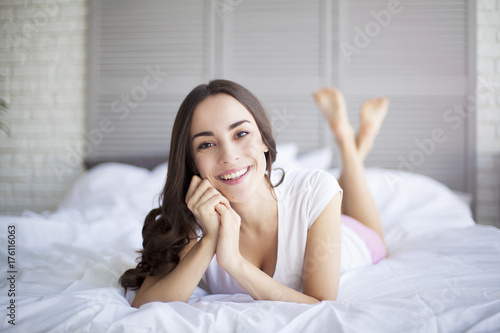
x,y
160,172
105,184
286,157
317,159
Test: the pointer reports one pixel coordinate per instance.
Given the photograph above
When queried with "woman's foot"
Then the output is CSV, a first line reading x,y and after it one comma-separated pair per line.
x,y
332,104
372,115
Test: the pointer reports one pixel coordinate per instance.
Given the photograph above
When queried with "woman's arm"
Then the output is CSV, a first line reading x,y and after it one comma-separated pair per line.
x,y
181,282
321,274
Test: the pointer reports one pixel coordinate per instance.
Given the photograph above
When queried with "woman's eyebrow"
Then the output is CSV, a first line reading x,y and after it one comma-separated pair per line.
x,y
238,123
232,126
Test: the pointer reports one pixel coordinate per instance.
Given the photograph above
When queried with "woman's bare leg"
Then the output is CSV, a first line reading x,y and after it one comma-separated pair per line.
x,y
357,200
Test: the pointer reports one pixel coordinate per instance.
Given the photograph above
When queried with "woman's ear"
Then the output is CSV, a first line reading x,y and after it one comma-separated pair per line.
x,y
265,147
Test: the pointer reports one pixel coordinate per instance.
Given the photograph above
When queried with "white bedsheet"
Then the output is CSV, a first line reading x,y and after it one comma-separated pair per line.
x,y
442,273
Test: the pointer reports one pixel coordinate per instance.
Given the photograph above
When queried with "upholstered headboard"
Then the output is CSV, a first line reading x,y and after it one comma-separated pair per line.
x,y
148,162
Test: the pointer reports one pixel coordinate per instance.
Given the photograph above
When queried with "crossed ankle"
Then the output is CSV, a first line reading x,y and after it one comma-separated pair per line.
x,y
343,133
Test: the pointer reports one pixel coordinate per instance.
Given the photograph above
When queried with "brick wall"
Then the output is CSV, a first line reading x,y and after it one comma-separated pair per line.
x,y
43,68
488,112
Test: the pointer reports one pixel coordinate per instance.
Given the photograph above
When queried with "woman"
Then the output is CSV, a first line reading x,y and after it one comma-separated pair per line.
x,y
224,221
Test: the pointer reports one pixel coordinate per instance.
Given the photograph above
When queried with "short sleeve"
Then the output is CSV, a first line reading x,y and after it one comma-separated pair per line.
x,y
324,186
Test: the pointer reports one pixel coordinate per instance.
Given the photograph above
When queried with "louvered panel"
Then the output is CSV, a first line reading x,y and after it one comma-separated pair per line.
x,y
282,50
277,50
146,56
420,58
274,39
295,119
134,35
424,134
423,39
143,130
333,39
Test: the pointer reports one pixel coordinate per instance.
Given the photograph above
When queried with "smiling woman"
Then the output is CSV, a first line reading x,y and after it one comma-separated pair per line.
x,y
170,228
225,220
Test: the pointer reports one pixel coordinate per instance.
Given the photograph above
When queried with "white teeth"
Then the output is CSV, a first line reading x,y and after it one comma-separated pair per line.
x,y
234,175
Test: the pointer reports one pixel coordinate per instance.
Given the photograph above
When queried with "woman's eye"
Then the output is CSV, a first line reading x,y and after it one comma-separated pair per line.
x,y
205,145
241,134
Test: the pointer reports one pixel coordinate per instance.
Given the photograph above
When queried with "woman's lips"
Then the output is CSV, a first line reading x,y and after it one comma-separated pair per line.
x,y
234,176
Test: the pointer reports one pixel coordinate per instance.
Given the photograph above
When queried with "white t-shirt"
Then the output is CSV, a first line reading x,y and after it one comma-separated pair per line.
x,y
302,196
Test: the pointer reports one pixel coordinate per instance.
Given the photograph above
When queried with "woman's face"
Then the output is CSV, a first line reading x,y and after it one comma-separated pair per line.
x,y
227,147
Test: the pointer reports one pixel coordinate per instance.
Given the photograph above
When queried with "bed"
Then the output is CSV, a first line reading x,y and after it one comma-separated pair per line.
x,y
442,273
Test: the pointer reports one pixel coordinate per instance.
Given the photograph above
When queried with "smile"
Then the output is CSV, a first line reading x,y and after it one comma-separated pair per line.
x,y
235,174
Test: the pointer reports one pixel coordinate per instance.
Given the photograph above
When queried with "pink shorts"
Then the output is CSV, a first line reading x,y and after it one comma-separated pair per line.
x,y
372,240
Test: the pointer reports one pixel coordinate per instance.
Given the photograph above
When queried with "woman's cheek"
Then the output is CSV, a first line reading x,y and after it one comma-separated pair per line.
x,y
203,170
258,152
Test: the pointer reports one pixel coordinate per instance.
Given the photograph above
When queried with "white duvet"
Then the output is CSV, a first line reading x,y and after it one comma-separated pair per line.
x,y
442,273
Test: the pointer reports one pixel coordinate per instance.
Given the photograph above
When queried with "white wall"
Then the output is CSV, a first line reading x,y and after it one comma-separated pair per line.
x,y
488,112
43,64
43,67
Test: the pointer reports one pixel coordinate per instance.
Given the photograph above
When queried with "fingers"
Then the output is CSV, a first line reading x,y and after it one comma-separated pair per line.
x,y
195,182
201,193
227,214
222,210
196,190
210,199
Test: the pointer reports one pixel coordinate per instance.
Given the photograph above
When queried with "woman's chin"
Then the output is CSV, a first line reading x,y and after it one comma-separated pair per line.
x,y
235,198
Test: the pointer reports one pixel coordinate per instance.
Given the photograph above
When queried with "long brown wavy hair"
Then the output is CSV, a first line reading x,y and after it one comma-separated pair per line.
x,y
170,227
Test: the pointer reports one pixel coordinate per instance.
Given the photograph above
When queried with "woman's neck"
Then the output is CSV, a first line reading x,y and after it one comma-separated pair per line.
x,y
256,212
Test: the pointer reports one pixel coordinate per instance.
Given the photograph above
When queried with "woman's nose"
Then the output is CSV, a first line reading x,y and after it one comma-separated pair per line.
x,y
228,153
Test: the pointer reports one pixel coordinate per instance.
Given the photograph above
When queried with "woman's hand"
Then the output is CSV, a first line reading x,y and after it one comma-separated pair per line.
x,y
202,199
218,220
228,245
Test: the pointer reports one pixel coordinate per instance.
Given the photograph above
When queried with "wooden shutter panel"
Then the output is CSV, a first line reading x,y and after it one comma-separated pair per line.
x,y
145,57
419,56
277,50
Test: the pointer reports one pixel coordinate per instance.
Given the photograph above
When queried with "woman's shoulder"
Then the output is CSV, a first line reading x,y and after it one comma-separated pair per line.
x,y
306,178
308,175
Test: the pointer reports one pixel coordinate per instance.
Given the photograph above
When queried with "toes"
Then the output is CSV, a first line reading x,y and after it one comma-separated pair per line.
x,y
327,93
329,99
380,101
376,104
